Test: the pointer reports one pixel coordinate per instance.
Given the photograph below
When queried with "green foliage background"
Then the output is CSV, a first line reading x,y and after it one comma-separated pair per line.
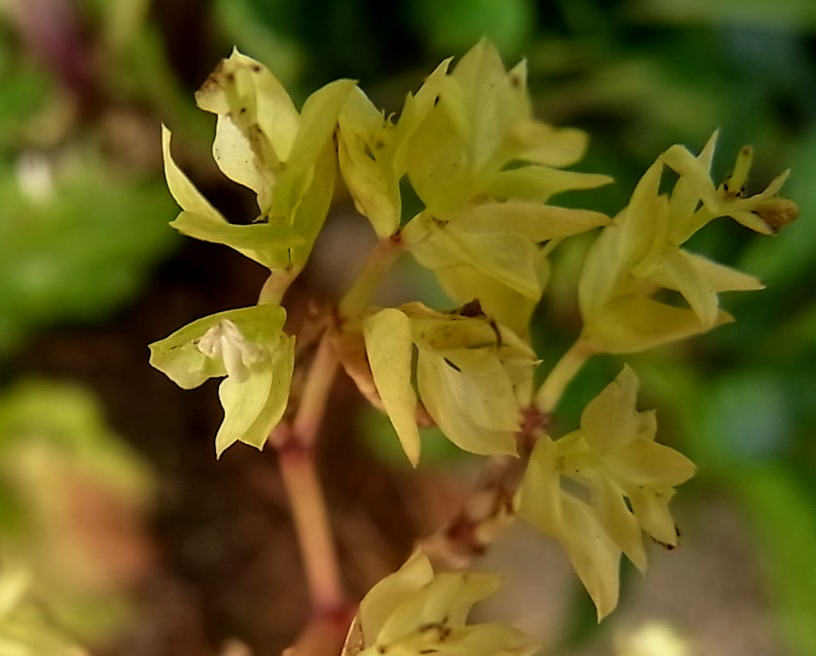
x,y
638,75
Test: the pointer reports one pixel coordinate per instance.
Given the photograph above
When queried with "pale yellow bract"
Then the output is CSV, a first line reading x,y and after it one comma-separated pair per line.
x,y
416,611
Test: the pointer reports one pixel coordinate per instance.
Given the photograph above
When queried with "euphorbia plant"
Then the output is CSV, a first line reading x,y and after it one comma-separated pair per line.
x,y
486,172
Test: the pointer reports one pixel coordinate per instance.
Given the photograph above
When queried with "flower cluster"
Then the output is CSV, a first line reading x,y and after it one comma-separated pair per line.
x,y
261,142
639,256
485,171
576,488
472,374
416,611
250,349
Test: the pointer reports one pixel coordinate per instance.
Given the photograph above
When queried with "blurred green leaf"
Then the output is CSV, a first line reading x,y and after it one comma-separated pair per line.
x,y
454,26
381,440
749,414
786,259
71,476
783,513
795,15
25,91
76,243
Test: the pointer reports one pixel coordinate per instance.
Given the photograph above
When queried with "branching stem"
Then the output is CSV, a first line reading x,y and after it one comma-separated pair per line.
x,y
550,392
381,259
275,286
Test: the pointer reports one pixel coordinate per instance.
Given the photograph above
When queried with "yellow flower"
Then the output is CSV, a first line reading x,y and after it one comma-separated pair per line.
x,y
472,374
696,200
491,250
249,348
262,143
484,167
482,122
415,611
638,256
610,459
372,151
570,520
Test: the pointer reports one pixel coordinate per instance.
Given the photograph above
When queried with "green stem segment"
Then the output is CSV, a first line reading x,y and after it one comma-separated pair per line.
x,y
381,259
275,286
550,392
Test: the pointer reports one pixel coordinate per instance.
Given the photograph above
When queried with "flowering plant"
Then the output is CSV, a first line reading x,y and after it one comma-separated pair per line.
x,y
487,173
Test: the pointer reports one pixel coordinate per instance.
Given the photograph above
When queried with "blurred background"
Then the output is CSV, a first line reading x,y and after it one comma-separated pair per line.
x,y
119,530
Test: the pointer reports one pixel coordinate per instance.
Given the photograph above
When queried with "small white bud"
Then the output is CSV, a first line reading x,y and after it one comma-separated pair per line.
x,y
224,340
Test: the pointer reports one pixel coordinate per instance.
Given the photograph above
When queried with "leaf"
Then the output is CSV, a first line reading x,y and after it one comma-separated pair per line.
x,y
782,511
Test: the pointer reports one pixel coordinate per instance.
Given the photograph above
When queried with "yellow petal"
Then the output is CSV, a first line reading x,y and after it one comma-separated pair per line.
x,y
508,307
634,323
241,83
611,420
535,221
723,278
234,156
540,183
389,345
382,600
266,243
318,120
254,407
645,463
365,150
651,507
180,359
476,382
183,191
539,495
509,258
434,382
676,270
593,554
445,600
416,109
534,141
619,522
